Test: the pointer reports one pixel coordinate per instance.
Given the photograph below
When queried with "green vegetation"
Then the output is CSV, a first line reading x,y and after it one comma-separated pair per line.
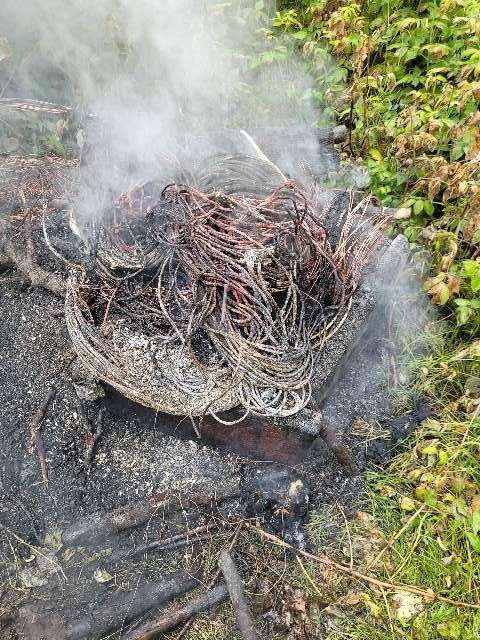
x,y
412,74
428,503
413,89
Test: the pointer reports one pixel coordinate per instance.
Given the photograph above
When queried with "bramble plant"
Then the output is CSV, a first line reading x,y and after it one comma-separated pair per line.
x,y
413,90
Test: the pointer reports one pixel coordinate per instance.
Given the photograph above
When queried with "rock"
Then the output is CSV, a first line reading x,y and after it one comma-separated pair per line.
x,y
86,386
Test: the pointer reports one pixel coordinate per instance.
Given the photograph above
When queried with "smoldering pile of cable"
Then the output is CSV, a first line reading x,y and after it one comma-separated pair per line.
x,y
242,284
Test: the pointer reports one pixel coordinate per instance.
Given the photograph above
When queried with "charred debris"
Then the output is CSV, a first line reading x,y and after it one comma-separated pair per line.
x,y
233,302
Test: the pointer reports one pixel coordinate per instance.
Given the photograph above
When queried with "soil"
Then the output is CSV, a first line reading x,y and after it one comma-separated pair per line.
x,y
134,459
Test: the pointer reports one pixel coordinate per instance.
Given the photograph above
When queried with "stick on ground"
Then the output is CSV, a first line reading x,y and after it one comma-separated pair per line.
x,y
36,440
237,596
92,529
178,541
93,437
172,619
427,594
27,264
212,582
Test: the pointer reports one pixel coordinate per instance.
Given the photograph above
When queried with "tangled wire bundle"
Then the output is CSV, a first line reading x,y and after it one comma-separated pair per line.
x,y
232,292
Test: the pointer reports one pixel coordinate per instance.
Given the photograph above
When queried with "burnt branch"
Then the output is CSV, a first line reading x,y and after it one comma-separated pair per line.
x,y
93,529
35,622
36,440
189,537
168,621
26,263
237,596
93,437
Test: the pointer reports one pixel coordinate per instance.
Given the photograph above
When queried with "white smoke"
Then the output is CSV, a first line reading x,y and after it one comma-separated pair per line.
x,y
152,72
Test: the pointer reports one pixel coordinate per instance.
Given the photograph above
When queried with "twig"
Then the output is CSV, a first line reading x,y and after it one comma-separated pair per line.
x,y
347,528
10,279
36,440
27,265
174,542
308,577
428,594
394,538
93,437
237,596
389,614
172,619
92,529
103,327
261,154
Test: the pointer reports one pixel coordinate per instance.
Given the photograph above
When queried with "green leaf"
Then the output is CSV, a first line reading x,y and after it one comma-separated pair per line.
x,y
418,207
376,154
470,268
443,458
474,541
428,207
475,282
430,450
463,315
476,522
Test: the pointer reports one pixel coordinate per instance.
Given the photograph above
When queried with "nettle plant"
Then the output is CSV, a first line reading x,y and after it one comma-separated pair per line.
x,y
413,105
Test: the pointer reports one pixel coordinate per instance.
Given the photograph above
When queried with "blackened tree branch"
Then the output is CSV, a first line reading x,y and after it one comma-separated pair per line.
x,y
237,596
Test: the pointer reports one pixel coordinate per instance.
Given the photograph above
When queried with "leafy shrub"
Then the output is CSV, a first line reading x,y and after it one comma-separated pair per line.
x,y
412,101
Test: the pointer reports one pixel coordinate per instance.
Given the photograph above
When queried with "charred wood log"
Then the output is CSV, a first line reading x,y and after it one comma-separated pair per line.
x,y
339,134
92,529
167,621
5,262
237,596
178,541
35,623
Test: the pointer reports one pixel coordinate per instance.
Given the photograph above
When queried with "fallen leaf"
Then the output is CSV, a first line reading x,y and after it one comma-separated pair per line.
x,y
351,599
475,505
53,540
102,576
373,606
407,504
387,491
366,520
406,605
68,554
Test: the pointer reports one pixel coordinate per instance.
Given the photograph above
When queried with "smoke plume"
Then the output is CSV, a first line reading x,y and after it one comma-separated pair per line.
x,y
153,73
